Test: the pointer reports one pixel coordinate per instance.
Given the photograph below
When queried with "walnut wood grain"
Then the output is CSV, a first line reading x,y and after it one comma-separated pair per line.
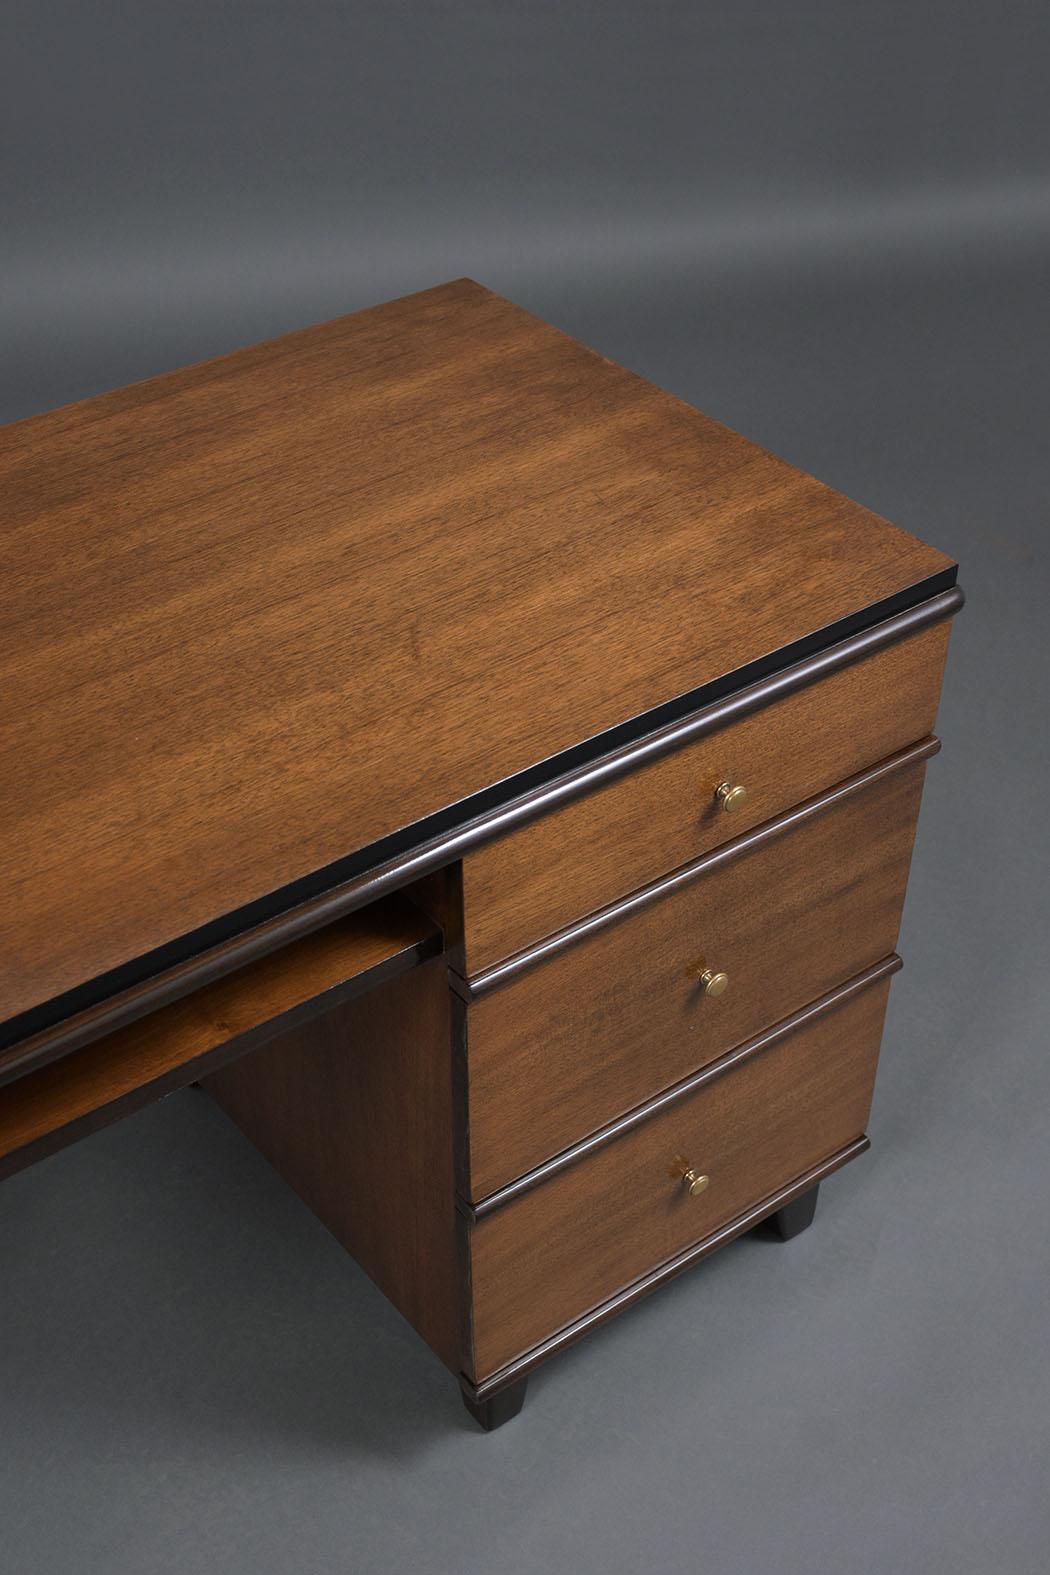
x,y
45,1110
569,1245
424,868
883,969
603,1024
267,611
355,1112
514,1371
610,842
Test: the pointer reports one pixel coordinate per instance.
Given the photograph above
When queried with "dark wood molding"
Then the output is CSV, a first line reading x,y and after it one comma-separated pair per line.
x,y
514,1371
502,972
634,1118
69,1022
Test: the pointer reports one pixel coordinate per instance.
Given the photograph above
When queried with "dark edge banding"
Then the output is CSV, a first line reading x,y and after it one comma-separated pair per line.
x,y
634,1292
681,1090
503,972
123,994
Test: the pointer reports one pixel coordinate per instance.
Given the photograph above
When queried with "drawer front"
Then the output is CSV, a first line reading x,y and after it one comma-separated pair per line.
x,y
562,1248
598,848
609,1021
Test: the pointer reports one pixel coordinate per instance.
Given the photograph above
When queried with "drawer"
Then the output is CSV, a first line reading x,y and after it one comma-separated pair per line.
x,y
560,1249
597,848
618,1013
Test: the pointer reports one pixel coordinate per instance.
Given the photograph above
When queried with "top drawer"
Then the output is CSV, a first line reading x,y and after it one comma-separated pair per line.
x,y
600,847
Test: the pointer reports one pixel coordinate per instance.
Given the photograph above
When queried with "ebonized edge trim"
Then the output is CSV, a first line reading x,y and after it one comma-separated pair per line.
x,y
67,1022
503,972
656,1277
670,1096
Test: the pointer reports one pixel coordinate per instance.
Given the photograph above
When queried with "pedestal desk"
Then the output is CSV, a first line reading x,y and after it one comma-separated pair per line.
x,y
491,779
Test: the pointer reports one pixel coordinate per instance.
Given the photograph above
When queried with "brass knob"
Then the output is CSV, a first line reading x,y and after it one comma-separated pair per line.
x,y
714,983
731,794
693,1182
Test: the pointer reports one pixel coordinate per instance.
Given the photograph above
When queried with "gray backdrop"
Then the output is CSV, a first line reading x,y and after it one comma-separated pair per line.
x,y
828,225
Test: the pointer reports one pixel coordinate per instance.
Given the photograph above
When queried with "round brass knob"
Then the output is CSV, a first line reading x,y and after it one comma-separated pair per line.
x,y
714,983
693,1182
731,794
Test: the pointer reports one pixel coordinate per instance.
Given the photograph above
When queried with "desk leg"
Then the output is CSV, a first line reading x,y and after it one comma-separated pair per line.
x,y
498,1408
795,1216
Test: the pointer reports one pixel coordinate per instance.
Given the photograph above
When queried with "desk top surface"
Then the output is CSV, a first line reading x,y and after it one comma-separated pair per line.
x,y
264,612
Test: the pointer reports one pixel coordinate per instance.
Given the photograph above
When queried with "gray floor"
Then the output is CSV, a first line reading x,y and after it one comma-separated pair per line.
x,y
194,1377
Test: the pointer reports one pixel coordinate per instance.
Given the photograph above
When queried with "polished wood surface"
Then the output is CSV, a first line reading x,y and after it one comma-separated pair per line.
x,y
47,1109
570,1244
355,1111
638,1289
606,1023
264,612
613,1130
417,869
610,842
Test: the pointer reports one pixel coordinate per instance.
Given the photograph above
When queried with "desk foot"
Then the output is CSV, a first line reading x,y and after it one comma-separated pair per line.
x,y
796,1215
498,1408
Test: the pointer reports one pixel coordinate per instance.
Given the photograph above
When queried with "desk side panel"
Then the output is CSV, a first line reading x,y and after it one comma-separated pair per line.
x,y
355,1111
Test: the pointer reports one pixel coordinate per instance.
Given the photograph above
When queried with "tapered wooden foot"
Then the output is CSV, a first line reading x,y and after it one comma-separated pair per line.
x,y
498,1408
796,1215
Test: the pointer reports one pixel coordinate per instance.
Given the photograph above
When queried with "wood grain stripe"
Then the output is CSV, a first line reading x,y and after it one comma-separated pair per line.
x,y
659,1276
30,1047
614,1129
481,983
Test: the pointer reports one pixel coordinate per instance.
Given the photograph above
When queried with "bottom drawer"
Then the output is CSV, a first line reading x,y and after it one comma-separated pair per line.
x,y
563,1246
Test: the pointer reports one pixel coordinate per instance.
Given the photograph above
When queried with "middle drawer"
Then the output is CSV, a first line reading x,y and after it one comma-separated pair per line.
x,y
598,1025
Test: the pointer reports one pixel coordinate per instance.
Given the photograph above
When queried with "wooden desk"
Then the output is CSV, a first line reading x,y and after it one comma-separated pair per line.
x,y
411,726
